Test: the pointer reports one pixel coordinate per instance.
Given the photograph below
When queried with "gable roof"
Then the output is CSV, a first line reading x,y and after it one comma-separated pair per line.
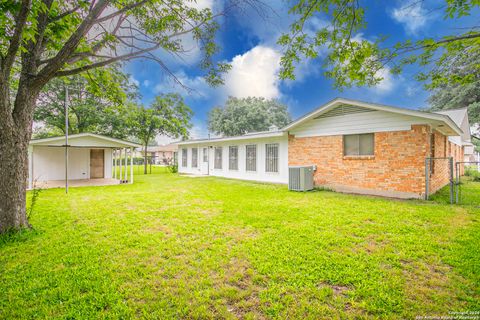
x,y
347,102
460,117
75,140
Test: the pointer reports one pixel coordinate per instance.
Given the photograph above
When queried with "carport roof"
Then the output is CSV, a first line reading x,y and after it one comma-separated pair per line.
x,y
84,140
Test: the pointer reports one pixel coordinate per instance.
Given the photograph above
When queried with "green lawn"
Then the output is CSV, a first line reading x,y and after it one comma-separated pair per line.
x,y
179,247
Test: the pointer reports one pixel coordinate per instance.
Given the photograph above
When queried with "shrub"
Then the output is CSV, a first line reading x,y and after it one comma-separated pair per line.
x,y
173,168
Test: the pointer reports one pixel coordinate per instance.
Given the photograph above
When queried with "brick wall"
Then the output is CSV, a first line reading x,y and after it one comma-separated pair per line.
x,y
440,176
397,169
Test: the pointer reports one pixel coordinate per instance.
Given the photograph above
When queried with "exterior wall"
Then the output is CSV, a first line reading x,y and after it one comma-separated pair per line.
x,y
397,168
260,175
444,148
374,121
48,163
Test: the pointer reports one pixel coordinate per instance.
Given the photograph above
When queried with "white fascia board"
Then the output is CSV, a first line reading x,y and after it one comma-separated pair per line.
x,y
244,137
80,135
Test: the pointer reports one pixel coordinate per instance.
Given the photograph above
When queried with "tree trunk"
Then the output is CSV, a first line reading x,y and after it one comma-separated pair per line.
x,y
15,134
145,160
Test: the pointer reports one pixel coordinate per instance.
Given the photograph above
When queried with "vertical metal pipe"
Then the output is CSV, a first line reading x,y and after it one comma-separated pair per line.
x,y
66,139
114,164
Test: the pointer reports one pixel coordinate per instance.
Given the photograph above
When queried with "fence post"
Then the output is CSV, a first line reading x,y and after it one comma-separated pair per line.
x,y
450,164
426,178
457,169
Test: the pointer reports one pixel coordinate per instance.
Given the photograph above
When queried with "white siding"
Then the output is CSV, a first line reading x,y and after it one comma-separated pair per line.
x,y
260,175
49,163
375,121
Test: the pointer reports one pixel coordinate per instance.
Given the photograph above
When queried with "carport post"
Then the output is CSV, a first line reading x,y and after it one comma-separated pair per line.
x,y
131,165
114,155
126,163
120,164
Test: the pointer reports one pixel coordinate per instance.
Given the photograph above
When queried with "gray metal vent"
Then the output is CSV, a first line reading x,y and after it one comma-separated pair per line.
x,y
344,110
300,178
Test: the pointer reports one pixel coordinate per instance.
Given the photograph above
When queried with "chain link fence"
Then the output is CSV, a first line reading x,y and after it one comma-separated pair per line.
x,y
467,182
438,174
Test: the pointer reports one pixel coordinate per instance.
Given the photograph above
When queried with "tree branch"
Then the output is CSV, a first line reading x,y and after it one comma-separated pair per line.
x,y
72,43
16,39
123,10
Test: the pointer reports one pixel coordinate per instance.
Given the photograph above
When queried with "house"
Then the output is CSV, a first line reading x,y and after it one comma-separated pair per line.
x,y
356,147
92,160
165,154
460,117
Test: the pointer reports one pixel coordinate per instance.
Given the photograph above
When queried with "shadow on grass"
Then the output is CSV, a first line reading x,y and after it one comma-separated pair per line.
x,y
22,235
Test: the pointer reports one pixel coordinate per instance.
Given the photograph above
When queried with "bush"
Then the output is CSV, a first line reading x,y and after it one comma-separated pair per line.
x,y
173,168
472,172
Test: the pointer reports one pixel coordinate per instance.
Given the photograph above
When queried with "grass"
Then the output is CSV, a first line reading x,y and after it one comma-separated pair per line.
x,y
170,246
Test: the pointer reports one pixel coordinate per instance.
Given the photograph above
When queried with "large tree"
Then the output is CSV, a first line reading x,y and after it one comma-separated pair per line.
x,y
240,116
44,39
462,90
332,30
93,106
168,115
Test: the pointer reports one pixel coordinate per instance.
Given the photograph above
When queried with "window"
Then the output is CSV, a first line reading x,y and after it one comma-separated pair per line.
x,y
184,157
271,157
233,158
218,158
251,157
194,157
358,144
205,154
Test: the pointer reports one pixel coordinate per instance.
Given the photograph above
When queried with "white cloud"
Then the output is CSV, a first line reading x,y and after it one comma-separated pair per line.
x,y
387,83
195,87
134,81
412,15
146,83
254,73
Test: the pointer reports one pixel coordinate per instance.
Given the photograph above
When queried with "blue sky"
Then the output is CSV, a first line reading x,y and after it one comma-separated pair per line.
x,y
248,42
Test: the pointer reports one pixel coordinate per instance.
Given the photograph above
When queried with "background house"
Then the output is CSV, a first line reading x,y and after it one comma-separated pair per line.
x,y
356,147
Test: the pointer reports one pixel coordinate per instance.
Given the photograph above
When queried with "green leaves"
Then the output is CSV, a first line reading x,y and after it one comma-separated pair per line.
x,y
351,60
167,115
252,114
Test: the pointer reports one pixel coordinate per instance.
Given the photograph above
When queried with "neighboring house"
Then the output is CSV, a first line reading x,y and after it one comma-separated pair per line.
x,y
356,147
460,117
164,155
90,156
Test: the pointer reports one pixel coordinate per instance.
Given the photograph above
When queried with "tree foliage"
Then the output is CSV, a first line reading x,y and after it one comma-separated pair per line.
x,y
455,94
168,115
353,60
45,39
240,116
97,107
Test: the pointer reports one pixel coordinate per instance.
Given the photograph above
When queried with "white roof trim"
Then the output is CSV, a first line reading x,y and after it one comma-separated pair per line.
x,y
339,101
79,135
244,137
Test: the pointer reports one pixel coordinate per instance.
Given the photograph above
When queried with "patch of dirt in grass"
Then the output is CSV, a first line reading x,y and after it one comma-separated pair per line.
x,y
238,288
430,284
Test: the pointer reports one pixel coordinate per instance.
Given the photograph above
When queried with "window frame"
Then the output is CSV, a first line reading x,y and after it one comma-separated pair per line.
x,y
215,158
195,158
184,157
252,161
274,164
205,154
230,149
360,155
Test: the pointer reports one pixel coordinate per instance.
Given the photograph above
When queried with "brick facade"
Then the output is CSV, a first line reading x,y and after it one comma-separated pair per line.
x,y
397,168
